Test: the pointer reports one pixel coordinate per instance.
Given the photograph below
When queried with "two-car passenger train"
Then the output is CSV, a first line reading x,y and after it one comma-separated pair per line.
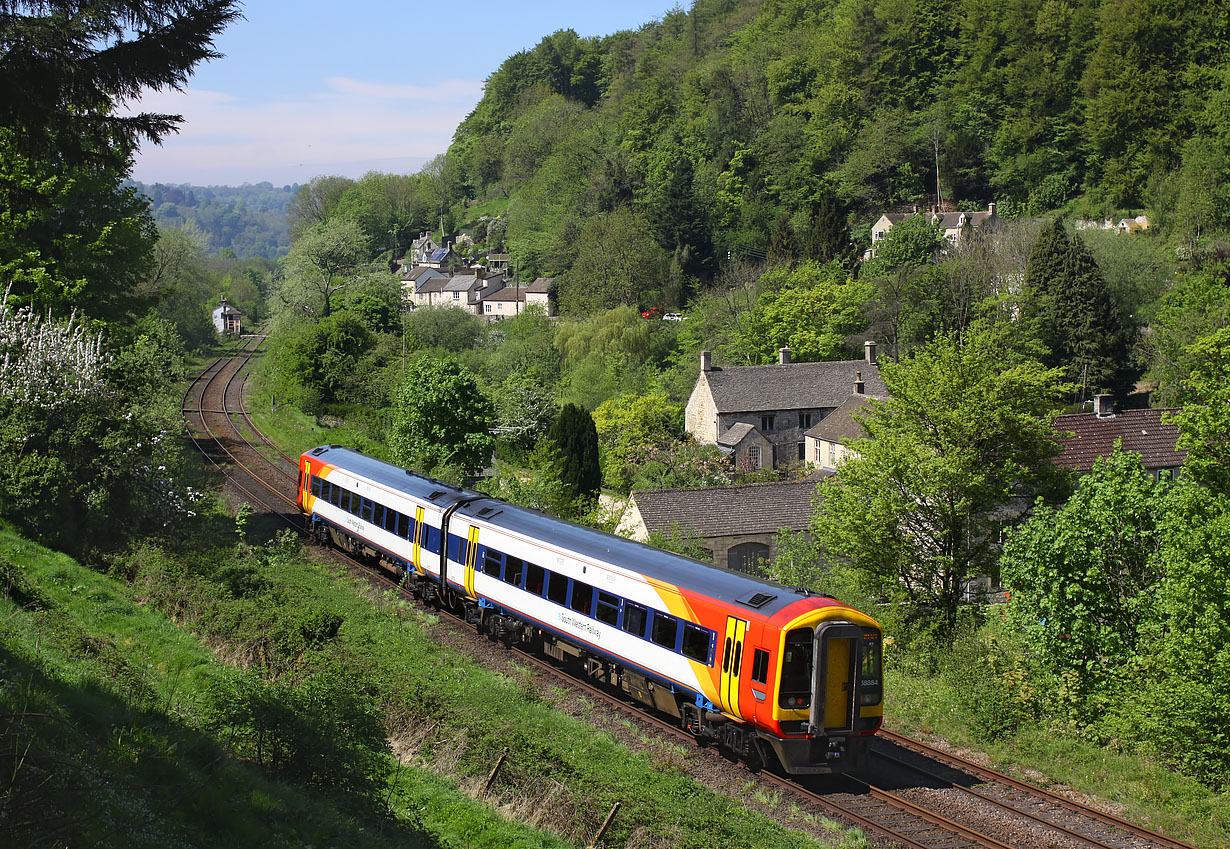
x,y
763,670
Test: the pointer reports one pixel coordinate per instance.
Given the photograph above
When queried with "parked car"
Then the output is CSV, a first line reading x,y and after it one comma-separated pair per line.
x,y
672,316
652,312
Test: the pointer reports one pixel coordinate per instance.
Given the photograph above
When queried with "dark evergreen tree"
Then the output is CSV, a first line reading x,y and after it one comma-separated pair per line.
x,y
1067,299
577,440
1043,272
784,247
829,239
64,64
1095,346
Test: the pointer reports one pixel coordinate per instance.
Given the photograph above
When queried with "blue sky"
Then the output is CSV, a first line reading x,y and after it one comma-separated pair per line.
x,y
309,88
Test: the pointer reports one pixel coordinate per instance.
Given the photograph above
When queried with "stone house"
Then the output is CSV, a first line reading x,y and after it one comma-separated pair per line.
x,y
737,525
414,278
953,224
1084,437
828,442
761,413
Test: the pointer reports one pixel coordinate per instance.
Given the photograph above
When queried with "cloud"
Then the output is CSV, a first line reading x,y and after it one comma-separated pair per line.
x,y
344,129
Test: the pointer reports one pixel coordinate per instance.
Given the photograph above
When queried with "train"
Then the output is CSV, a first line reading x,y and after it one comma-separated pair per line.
x,y
767,672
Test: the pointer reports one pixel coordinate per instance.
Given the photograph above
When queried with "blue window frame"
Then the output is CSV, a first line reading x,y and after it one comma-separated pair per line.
x,y
635,619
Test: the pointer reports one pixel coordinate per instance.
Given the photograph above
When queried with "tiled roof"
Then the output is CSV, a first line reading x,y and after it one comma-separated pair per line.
x,y
1142,431
795,386
462,283
508,293
716,511
540,286
431,285
734,434
839,425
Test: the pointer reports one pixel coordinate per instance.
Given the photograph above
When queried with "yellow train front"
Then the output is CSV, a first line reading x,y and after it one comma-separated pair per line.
x,y
768,672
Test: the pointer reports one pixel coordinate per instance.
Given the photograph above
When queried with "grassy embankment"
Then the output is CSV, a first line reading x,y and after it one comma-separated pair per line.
x,y
123,725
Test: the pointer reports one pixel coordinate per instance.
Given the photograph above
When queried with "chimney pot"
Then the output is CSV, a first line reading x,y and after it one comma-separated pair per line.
x,y
1104,405
706,361
859,387
869,349
783,356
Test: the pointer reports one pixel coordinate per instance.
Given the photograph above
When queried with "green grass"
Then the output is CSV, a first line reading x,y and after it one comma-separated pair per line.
x,y
121,677
1138,789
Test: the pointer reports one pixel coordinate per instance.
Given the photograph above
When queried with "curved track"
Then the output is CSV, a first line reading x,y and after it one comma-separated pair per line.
x,y
938,801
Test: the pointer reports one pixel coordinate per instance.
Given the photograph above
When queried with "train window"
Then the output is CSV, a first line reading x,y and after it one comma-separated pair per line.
x,y
665,630
557,588
512,571
367,510
492,563
535,577
407,526
634,619
356,503
608,608
870,682
697,642
582,600
431,540
796,669
316,485
335,495
760,666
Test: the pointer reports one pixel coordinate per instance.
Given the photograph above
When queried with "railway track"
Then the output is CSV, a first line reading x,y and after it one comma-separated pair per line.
x,y
938,801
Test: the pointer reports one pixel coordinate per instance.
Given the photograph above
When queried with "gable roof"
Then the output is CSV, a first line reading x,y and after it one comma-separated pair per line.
x,y
431,285
840,425
1142,431
508,293
793,386
540,286
715,511
439,254
462,283
733,435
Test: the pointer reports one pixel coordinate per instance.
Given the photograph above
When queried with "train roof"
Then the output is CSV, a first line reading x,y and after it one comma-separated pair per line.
x,y
763,596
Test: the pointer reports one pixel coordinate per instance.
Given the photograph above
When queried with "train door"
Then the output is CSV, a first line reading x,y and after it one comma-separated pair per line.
x,y
839,650
471,554
732,664
417,552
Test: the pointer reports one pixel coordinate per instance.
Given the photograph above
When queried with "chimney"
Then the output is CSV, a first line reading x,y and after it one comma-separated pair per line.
x,y
706,361
869,349
1104,405
783,356
859,387
991,207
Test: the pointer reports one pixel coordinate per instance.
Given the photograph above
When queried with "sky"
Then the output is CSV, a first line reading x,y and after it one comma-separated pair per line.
x,y
307,88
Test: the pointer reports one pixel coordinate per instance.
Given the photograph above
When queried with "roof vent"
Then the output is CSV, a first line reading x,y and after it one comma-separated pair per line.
x,y
436,493
488,512
316,452
756,600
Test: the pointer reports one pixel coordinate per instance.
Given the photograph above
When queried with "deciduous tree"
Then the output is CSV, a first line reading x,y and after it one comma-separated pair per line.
x,y
441,421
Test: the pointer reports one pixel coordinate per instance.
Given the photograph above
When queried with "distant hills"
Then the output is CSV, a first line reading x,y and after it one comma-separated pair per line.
x,y
248,220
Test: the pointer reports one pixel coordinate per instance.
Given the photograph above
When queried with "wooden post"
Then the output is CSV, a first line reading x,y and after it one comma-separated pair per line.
x,y
602,831
494,770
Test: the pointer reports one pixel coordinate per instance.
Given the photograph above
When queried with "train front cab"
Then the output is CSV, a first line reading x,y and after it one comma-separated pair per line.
x,y
830,694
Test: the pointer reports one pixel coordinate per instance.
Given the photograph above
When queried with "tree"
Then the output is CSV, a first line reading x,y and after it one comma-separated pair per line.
x,y
829,240
576,438
66,65
1204,421
327,258
631,428
315,201
1083,576
441,420
445,327
967,430
617,263
784,246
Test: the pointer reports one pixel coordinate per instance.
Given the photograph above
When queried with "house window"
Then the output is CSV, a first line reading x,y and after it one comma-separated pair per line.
x,y
802,450
753,456
456,296
804,421
766,424
488,307
832,454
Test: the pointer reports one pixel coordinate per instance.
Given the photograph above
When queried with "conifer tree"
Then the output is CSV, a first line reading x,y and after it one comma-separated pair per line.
x,y
784,248
829,238
577,440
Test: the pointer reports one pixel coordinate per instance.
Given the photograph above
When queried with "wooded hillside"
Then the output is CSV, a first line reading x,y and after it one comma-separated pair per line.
x,y
690,138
